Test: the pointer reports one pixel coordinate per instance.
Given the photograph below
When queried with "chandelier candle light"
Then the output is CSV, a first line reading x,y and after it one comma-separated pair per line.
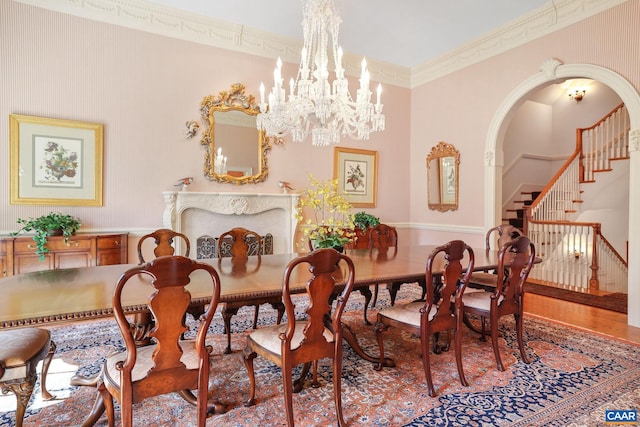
x,y
315,104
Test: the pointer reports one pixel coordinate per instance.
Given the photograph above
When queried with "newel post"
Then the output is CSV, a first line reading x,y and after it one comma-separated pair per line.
x,y
594,284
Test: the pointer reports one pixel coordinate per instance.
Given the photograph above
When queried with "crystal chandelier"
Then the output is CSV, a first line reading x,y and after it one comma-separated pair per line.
x,y
315,104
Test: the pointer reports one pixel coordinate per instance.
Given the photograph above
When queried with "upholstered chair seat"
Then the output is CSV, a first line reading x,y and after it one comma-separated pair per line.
x,y
20,352
269,339
409,313
144,362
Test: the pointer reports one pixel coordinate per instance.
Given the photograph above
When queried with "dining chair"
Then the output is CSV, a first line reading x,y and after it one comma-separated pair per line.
x,y
171,364
515,261
20,352
305,341
441,311
382,237
239,243
163,238
504,233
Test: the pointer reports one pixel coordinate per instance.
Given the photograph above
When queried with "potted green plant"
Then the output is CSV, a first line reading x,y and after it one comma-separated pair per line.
x,y
53,224
330,224
363,222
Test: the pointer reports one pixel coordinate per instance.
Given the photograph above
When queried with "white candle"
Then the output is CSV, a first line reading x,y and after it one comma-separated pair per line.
x,y
277,75
379,91
304,58
261,93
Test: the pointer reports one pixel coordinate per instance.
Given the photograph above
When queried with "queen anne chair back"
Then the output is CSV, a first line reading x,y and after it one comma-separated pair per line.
x,y
383,237
171,364
164,243
499,234
317,336
242,242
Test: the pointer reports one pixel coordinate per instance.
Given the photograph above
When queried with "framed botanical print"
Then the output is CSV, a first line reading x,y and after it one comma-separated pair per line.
x,y
357,171
55,162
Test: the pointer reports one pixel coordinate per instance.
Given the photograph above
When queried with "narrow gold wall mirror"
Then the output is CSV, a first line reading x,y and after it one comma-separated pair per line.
x,y
442,177
236,150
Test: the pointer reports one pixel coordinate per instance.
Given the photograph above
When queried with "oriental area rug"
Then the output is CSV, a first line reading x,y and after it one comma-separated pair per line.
x,y
575,376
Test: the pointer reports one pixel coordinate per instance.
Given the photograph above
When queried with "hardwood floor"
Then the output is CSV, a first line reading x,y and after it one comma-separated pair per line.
x,y
596,319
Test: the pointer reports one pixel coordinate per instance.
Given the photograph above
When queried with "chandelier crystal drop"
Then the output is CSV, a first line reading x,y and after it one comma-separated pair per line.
x,y
315,104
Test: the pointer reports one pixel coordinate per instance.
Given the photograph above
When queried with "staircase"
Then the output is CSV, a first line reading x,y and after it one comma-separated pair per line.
x,y
526,199
575,254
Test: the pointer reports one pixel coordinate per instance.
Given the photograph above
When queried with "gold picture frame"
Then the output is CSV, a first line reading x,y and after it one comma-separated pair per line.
x,y
357,171
55,162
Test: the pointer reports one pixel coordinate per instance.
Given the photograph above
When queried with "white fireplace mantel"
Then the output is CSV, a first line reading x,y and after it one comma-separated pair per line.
x,y
196,214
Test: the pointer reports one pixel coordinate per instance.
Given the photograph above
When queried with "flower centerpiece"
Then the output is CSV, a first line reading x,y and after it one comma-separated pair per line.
x,y
329,223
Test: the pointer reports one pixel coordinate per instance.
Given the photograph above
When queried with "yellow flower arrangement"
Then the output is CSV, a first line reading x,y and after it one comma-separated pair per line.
x,y
331,224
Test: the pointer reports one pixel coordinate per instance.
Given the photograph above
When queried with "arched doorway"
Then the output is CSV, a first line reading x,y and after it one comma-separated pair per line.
x,y
553,70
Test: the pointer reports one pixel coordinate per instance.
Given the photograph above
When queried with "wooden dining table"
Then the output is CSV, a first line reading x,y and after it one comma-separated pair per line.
x,y
54,296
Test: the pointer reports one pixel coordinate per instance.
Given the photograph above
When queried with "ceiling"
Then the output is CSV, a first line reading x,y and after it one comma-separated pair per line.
x,y
401,32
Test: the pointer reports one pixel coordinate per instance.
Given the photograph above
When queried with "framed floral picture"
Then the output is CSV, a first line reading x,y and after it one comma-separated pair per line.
x,y
357,171
447,180
55,162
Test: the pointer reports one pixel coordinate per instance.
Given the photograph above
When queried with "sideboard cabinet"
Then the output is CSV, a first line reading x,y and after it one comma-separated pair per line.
x,y
17,254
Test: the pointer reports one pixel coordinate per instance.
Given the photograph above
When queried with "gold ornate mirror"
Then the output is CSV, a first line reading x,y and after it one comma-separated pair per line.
x,y
236,150
442,177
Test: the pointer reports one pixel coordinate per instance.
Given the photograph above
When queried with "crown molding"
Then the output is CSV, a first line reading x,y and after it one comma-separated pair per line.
x,y
547,19
158,19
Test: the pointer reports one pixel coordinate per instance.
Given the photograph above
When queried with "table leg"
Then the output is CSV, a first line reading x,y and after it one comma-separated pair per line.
x,y
350,337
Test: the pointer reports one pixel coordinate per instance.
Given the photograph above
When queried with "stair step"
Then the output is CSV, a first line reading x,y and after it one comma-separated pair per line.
x,y
603,170
516,222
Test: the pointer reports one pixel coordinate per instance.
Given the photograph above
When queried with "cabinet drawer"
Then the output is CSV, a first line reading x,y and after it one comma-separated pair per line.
x,y
112,242
54,244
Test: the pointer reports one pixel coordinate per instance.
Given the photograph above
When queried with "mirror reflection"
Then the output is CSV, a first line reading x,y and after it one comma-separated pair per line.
x,y
236,150
442,177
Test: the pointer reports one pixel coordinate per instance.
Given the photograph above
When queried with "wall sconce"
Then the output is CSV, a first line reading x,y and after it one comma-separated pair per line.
x,y
577,94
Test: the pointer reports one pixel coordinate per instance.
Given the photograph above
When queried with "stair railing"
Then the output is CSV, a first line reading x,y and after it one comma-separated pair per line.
x,y
606,140
576,254
613,269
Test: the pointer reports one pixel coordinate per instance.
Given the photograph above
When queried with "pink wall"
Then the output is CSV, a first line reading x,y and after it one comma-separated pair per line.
x,y
143,88
459,107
